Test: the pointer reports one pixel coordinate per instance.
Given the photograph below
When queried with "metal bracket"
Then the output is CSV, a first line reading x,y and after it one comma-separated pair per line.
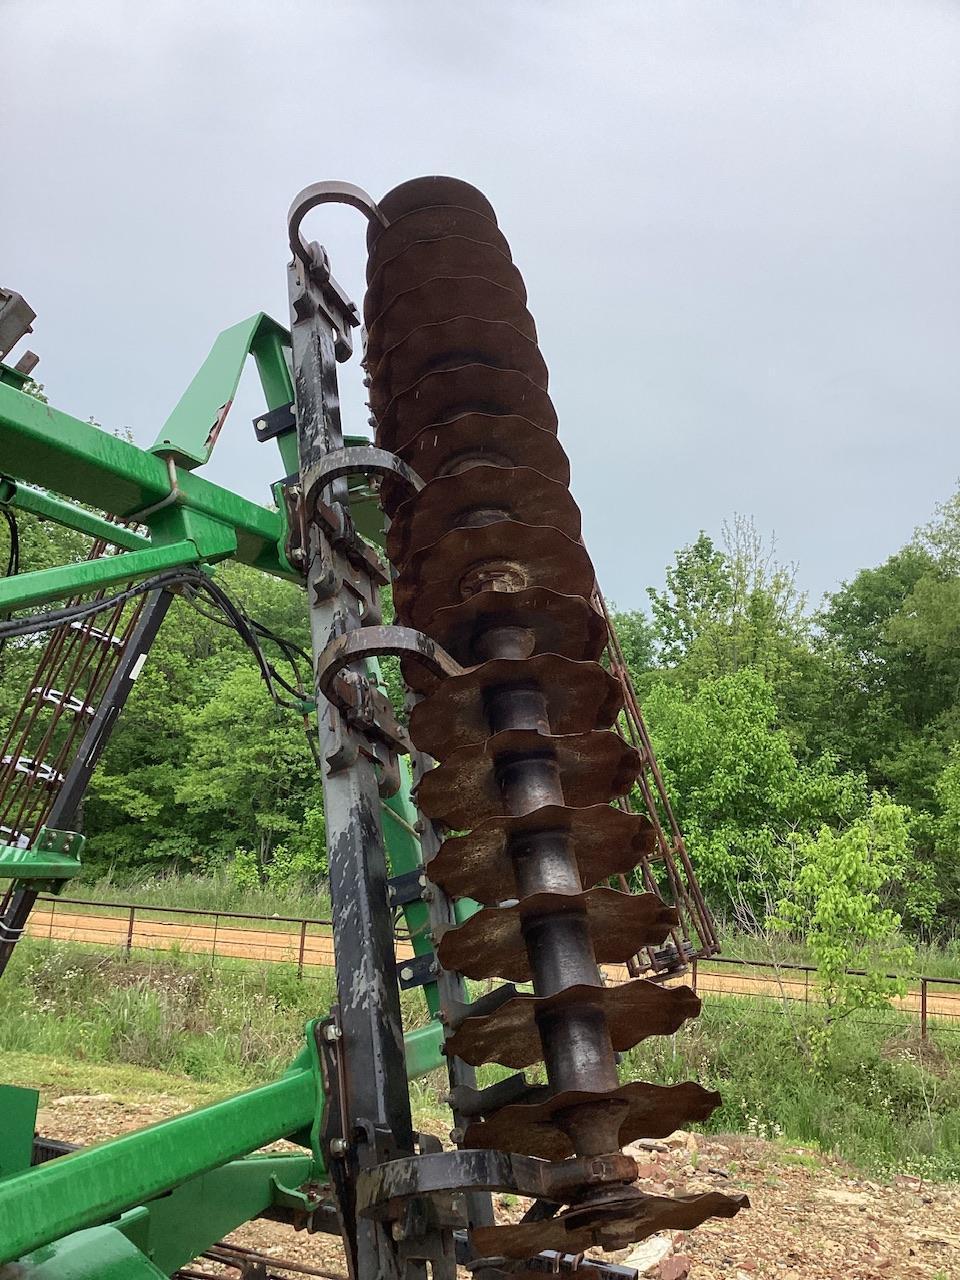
x,y
382,1190
364,460
407,888
364,707
327,193
480,1102
275,422
377,642
417,972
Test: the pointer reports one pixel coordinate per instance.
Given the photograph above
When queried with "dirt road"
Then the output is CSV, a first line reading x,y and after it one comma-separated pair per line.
x,y
314,947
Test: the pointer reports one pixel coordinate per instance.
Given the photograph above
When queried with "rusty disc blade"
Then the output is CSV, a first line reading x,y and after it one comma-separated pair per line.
x,y
451,344
439,223
606,841
490,944
464,561
594,767
454,501
441,299
477,439
564,624
452,256
532,1129
634,1010
579,696
615,1226
427,191
450,393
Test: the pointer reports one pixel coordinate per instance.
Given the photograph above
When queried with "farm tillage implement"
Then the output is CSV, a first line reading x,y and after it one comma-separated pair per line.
x,y
512,816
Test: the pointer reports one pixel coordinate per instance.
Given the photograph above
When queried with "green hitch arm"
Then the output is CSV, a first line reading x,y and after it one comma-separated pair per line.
x,y
43,446
23,497
28,589
99,1183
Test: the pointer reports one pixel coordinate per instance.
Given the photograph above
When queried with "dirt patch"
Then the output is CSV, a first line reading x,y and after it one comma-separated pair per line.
x,y
811,1218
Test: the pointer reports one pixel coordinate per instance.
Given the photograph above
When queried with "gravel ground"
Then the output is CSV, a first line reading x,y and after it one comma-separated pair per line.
x,y
811,1218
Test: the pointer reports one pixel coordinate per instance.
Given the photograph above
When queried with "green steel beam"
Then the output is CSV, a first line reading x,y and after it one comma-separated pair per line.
x,y
100,1253
91,1186
98,1183
36,864
269,348
41,445
191,431
25,498
175,1228
19,1110
13,377
25,590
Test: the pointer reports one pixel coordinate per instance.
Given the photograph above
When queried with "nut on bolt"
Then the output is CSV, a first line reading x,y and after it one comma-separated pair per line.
x,y
332,1032
339,1146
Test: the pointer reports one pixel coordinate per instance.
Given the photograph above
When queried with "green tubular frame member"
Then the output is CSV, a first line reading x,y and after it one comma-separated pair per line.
x,y
144,1204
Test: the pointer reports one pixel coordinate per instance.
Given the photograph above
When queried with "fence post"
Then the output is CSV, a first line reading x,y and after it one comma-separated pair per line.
x,y
303,943
693,974
806,986
130,918
923,1008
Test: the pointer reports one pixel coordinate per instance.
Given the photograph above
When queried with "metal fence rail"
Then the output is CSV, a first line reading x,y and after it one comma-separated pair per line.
x,y
127,926
307,944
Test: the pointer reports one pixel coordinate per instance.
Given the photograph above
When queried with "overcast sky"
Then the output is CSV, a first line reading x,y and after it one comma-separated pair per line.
x,y
738,224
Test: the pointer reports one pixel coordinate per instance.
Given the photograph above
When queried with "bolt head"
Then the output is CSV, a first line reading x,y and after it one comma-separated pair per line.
x,y
339,1146
332,1032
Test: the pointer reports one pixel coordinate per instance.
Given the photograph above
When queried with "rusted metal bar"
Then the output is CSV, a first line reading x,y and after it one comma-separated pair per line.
x,y
303,944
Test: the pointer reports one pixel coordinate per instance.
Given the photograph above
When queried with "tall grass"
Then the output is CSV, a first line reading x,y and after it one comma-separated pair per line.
x,y
883,1099
215,891
939,959
228,1022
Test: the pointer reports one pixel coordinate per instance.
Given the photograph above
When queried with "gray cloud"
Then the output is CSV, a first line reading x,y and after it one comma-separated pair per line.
x,y
737,222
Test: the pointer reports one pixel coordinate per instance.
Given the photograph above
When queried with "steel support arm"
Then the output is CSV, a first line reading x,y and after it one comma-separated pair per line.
x,y
41,445
102,1182
23,497
28,589
96,1184
191,431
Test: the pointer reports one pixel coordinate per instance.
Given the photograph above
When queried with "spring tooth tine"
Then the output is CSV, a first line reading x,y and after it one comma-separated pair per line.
x,y
489,563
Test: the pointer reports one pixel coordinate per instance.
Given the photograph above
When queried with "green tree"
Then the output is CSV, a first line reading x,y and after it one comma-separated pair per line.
x,y
637,638
698,593
835,901
250,771
738,790
730,609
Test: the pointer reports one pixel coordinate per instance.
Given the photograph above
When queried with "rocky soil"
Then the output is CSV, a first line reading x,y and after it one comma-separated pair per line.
x,y
811,1218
